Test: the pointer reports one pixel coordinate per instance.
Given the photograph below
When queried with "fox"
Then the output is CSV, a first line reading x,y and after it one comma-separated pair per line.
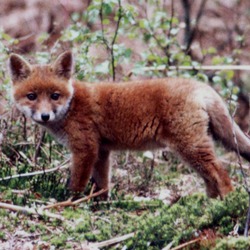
x,y
94,119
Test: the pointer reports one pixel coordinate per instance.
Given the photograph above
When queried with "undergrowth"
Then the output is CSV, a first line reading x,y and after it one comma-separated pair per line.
x,y
155,225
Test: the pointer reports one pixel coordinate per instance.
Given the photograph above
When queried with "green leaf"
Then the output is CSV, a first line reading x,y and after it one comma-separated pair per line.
x,y
143,23
127,53
217,79
174,31
107,8
105,21
217,60
102,68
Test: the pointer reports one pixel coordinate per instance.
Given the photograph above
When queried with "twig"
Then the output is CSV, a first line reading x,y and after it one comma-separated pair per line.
x,y
110,48
114,38
38,146
184,244
87,246
169,32
91,191
190,33
187,35
112,241
152,33
102,28
248,218
24,127
69,202
22,192
242,172
63,166
26,210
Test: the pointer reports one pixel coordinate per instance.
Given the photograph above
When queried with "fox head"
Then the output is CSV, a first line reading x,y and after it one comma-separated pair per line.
x,y
42,92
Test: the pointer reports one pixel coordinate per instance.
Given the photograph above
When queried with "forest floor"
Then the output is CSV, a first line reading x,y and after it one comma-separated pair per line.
x,y
156,201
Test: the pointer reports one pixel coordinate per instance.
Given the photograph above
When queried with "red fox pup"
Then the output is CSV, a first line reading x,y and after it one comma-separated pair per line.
x,y
94,118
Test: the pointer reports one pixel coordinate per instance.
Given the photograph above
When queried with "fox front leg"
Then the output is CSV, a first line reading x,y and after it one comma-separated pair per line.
x,y
83,162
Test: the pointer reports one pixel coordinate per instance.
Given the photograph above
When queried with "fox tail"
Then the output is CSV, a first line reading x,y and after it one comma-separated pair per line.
x,y
224,129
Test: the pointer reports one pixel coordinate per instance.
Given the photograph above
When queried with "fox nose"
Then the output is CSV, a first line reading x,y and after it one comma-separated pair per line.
x,y
45,117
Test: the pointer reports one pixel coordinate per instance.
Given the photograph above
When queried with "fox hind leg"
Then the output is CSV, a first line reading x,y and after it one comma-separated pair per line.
x,y
202,159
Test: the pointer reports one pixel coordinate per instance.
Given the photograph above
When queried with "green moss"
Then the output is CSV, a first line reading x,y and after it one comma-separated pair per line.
x,y
59,241
83,226
184,220
2,236
232,243
32,228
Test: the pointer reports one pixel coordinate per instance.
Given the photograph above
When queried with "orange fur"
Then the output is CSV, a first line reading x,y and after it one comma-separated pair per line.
x,y
100,117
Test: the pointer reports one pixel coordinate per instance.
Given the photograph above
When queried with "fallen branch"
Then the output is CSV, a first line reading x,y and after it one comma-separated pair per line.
x,y
112,241
26,210
69,202
183,245
63,166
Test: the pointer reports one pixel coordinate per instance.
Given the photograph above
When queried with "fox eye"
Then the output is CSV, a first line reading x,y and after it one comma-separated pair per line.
x,y
55,96
32,96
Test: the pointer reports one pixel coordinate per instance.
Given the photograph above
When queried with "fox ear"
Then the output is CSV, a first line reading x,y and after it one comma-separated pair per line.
x,y
19,68
63,66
